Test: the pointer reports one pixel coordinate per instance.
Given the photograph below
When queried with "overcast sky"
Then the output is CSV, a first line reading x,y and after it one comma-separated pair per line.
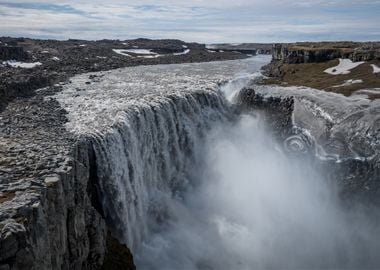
x,y
200,20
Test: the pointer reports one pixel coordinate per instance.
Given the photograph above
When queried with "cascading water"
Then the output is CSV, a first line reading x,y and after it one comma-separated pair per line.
x,y
189,184
147,159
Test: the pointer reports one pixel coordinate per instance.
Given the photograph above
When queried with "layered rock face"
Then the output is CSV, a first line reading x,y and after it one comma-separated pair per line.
x,y
12,53
47,217
306,53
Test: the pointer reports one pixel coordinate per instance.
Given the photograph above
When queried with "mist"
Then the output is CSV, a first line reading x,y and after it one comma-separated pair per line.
x,y
252,205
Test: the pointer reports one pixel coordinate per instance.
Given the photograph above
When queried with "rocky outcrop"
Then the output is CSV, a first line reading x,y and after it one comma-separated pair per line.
x,y
50,223
12,53
49,214
312,53
277,111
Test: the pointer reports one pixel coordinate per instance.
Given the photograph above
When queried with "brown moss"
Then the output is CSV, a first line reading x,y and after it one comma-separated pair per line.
x,y
312,75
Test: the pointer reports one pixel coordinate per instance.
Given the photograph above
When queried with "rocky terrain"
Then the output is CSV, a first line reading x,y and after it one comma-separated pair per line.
x,y
261,48
305,52
50,216
308,64
59,60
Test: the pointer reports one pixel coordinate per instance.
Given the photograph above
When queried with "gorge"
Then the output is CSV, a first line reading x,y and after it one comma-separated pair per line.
x,y
195,166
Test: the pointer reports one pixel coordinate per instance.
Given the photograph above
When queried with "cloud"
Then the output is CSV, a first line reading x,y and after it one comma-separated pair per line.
x,y
202,21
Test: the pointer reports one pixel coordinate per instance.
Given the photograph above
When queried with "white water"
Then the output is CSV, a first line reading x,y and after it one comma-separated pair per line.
x,y
188,186
258,208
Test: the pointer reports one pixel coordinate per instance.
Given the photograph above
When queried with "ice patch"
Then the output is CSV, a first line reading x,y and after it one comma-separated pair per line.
x,y
344,67
17,64
376,69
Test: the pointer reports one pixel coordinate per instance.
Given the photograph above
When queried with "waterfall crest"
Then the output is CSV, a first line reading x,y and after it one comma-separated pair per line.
x,y
147,157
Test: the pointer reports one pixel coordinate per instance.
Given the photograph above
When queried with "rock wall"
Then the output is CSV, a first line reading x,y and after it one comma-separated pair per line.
x,y
12,53
296,54
54,225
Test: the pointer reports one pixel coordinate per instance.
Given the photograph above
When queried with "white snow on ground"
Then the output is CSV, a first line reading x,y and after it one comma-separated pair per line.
x,y
44,51
16,64
182,53
139,51
344,67
55,58
101,57
144,53
210,51
82,45
376,69
150,56
184,46
349,82
122,52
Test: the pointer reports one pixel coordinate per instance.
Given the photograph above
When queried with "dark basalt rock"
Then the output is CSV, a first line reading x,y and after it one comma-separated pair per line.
x,y
13,53
118,256
313,53
277,111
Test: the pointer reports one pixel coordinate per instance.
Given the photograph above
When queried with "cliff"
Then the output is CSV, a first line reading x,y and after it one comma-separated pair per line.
x,y
297,53
12,53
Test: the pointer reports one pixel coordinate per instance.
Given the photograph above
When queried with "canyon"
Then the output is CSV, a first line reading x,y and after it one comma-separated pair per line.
x,y
159,161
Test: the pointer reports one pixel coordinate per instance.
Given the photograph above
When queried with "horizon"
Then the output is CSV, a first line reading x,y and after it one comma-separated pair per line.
x,y
243,21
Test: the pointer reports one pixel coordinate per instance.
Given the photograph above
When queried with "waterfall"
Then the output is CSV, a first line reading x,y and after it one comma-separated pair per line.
x,y
146,159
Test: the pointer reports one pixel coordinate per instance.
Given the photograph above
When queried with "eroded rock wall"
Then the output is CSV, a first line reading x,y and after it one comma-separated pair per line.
x,y
297,53
53,225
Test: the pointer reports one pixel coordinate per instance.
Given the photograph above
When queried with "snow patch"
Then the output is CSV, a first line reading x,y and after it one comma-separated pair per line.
x,y
349,82
55,58
122,52
83,45
139,51
376,69
182,53
344,67
184,46
16,64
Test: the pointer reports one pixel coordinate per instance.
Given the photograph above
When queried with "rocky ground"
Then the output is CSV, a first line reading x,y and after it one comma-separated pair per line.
x,y
63,59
